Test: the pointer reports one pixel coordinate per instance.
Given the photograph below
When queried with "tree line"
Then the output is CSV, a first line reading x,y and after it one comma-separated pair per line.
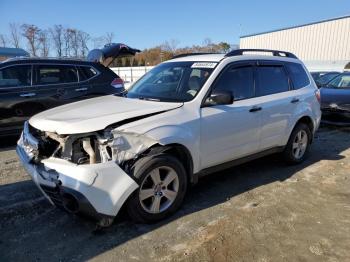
x,y
61,41
169,49
57,40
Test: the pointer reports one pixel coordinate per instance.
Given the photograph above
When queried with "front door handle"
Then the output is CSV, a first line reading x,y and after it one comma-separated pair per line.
x,y
295,100
255,109
27,95
81,89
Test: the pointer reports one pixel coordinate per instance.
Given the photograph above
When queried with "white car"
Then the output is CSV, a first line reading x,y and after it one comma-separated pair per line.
x,y
187,117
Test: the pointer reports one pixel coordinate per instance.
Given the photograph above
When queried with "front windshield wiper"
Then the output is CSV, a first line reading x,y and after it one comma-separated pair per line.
x,y
148,99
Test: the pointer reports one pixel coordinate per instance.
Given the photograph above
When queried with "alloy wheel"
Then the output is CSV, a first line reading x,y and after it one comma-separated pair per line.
x,y
159,189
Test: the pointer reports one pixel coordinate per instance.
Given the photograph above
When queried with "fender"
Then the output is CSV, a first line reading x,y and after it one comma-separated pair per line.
x,y
172,134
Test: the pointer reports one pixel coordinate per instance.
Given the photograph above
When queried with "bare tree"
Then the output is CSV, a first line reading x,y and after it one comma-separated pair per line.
x,y
83,39
67,41
3,40
208,45
98,42
109,37
57,37
31,33
74,41
44,42
170,46
15,34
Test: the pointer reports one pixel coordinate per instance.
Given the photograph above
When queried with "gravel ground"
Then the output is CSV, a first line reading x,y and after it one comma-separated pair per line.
x,y
260,211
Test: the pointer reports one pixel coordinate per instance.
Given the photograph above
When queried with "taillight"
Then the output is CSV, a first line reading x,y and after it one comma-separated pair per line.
x,y
318,95
117,83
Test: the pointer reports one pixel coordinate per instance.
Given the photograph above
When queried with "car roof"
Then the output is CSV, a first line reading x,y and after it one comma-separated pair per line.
x,y
36,60
219,57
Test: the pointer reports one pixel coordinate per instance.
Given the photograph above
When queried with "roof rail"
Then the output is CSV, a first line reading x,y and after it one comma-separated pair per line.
x,y
274,52
190,54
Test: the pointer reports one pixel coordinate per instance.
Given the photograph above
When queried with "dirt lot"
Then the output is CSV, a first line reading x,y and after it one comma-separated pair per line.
x,y
261,211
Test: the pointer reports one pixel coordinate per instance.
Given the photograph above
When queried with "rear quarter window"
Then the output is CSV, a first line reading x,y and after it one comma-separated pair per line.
x,y
271,80
86,72
298,75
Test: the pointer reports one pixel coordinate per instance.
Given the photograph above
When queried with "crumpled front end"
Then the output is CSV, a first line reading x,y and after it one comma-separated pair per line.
x,y
83,173
336,114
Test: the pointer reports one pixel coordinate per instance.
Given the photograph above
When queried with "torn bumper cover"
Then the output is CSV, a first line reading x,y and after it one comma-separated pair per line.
x,y
336,115
94,189
126,146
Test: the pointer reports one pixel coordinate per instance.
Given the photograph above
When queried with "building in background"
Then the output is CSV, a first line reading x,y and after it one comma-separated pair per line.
x,y
323,45
6,52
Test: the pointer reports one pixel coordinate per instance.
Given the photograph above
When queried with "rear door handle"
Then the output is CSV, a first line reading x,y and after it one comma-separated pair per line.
x,y
81,89
295,100
27,95
255,109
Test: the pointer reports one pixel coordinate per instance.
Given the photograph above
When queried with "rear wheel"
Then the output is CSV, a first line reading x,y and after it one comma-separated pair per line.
x,y
162,186
298,145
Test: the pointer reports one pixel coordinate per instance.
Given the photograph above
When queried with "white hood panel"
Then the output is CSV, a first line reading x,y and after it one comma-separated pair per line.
x,y
95,114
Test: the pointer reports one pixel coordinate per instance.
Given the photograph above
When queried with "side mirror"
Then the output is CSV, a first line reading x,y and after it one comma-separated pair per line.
x,y
219,98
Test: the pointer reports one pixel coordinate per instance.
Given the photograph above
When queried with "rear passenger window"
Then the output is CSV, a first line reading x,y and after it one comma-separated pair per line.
x,y
271,80
298,75
86,72
57,74
15,76
238,80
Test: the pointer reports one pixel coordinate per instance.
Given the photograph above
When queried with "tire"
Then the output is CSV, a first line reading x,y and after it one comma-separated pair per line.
x,y
290,152
161,195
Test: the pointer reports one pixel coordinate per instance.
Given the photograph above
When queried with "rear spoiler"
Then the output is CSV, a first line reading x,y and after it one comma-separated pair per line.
x,y
109,52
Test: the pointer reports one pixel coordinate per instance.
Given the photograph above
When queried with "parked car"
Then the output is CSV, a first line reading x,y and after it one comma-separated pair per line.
x,y
187,117
335,100
31,85
322,78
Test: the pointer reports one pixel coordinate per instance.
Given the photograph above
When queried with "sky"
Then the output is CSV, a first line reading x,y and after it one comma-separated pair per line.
x,y
144,24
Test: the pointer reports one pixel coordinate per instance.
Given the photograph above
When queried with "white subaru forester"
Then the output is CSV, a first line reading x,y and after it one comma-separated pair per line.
x,y
187,117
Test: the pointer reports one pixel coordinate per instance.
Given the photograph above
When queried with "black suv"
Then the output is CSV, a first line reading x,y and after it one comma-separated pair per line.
x,y
31,85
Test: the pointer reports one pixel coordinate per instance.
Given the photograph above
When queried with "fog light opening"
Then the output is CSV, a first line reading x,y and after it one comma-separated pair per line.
x,y
70,203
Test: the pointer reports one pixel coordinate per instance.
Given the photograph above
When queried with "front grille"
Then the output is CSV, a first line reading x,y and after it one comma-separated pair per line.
x,y
54,194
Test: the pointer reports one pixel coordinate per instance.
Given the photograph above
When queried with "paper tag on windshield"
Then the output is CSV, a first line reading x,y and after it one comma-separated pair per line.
x,y
203,65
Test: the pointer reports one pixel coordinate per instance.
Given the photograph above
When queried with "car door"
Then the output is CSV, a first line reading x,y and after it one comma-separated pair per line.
x,y
231,131
58,84
17,97
335,98
277,101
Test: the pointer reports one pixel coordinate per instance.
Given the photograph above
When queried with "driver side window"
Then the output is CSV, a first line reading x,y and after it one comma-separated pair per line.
x,y
239,80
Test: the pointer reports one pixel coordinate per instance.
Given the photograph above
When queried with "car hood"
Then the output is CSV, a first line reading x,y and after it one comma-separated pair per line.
x,y
96,114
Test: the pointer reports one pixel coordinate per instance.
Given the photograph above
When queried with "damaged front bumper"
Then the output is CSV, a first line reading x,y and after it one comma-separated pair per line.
x,y
98,190
336,115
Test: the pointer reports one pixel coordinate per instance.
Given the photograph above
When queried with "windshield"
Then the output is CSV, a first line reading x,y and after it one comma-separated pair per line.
x,y
326,78
172,81
340,82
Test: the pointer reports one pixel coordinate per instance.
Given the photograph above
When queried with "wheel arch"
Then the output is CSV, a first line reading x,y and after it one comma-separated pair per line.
x,y
307,120
180,152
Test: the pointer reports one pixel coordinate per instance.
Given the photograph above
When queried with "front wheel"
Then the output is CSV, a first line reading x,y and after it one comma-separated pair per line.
x,y
298,145
162,186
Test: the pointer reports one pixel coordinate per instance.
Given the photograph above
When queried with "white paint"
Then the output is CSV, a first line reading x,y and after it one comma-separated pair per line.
x,y
212,135
106,186
95,114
